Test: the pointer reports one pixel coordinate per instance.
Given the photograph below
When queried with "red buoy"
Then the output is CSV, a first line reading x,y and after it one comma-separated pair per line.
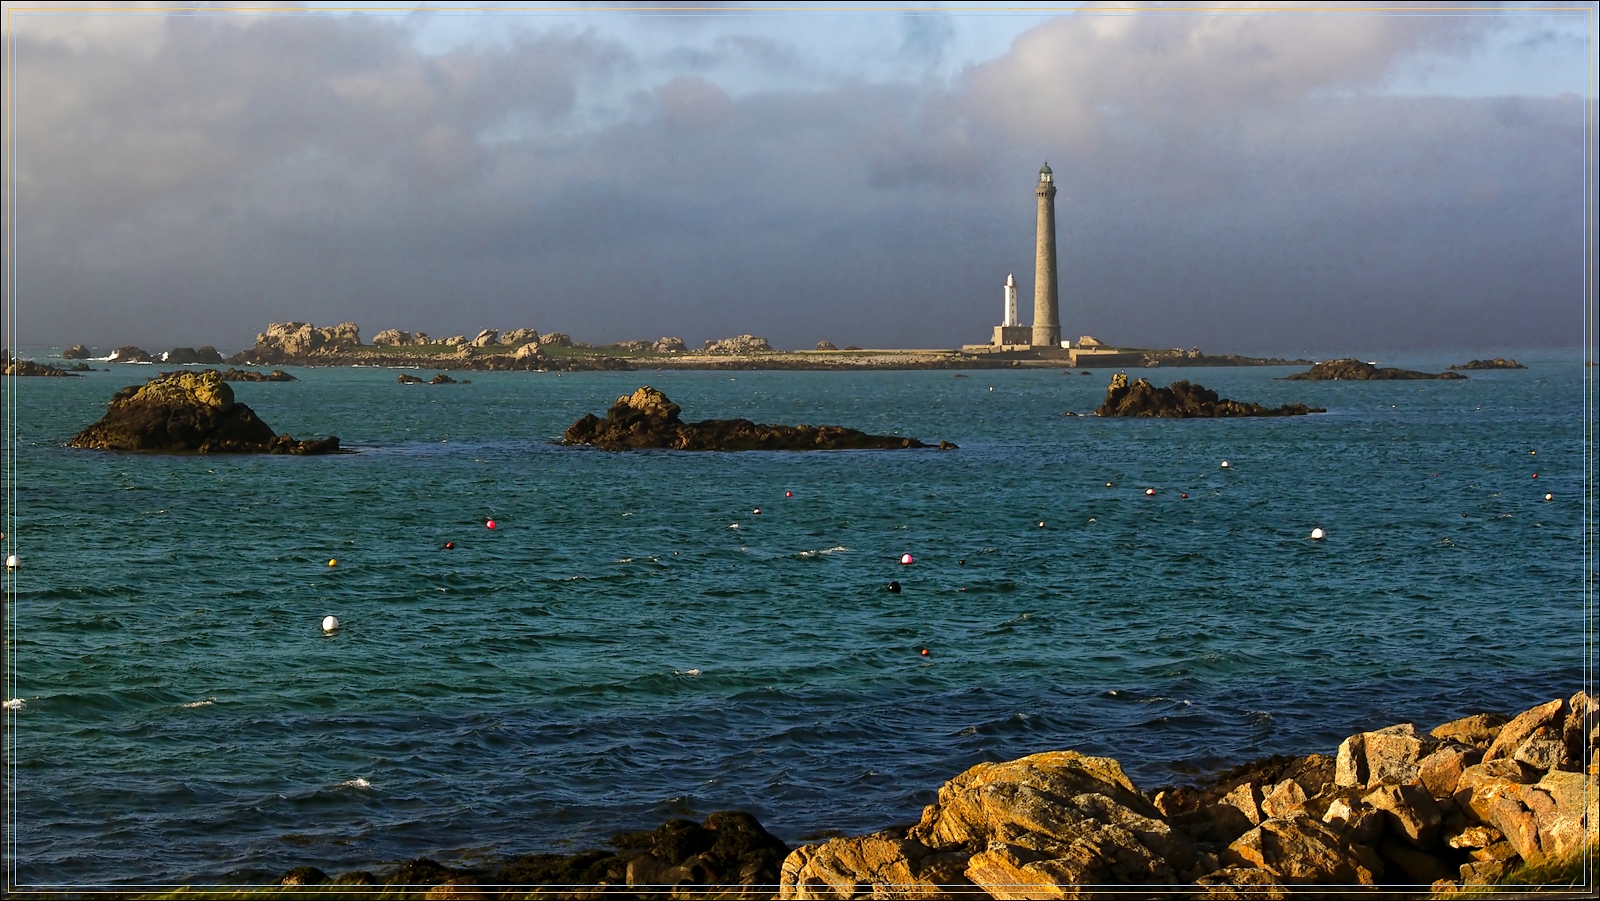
x,y
490,524
905,559
449,545
788,494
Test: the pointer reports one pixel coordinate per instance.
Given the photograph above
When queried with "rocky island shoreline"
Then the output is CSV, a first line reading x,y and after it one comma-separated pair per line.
x,y
1399,811
648,419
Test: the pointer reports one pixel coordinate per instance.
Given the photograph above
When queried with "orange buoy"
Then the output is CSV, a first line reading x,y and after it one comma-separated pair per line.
x,y
924,652
333,562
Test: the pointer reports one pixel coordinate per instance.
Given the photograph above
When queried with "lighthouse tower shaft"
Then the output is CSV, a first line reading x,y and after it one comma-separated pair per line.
x,y
1046,305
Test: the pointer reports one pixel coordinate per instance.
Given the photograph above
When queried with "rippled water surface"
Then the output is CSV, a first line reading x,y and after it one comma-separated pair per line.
x,y
634,642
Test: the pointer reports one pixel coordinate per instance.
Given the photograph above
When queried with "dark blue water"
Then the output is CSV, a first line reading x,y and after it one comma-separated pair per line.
x,y
633,642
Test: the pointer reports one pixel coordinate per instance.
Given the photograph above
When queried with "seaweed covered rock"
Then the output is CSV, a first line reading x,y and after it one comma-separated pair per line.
x,y
1182,400
189,412
648,419
250,375
1355,370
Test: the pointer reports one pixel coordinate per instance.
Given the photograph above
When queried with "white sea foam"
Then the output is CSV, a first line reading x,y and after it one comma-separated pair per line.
x,y
822,553
357,782
206,703
687,672
16,704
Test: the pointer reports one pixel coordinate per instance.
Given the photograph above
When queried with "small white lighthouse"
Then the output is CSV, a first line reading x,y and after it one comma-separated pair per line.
x,y
1010,333
1011,302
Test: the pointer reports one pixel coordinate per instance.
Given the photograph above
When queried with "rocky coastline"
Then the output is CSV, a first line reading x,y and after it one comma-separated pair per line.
x,y
1182,400
647,419
1349,370
1397,810
189,413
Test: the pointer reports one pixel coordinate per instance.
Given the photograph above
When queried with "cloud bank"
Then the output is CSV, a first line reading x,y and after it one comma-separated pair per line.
x,y
1246,181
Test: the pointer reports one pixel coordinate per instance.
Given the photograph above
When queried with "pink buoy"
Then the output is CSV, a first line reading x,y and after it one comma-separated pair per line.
x,y
905,559
490,524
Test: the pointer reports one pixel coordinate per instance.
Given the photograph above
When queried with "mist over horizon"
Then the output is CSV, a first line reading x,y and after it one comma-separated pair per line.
x,y
1250,183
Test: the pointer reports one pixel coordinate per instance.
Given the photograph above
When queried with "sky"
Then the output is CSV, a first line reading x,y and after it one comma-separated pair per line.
x,y
1242,179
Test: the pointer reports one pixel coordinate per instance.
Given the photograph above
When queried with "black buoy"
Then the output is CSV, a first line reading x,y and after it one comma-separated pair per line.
x,y
894,587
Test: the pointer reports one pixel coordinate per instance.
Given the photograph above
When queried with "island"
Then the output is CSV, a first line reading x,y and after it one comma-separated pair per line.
x,y
1496,363
1349,370
526,349
189,412
1182,400
648,419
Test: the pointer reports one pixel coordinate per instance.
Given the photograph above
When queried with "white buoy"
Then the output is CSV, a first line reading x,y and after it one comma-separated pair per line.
x,y
1224,464
1041,523
330,622
1548,497
1316,534
905,559
1149,491
12,561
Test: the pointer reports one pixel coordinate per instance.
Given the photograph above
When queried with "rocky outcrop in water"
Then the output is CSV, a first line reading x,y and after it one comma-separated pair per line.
x,y
1496,363
297,342
128,353
182,355
1182,400
648,419
250,375
189,412
8,366
1356,370
75,352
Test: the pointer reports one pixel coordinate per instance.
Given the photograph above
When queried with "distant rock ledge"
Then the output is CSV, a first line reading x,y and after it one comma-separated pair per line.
x,y
1182,400
189,413
1348,370
647,419
1496,363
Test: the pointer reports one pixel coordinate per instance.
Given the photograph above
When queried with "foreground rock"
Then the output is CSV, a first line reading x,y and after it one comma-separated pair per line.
x,y
189,412
647,419
1356,370
1496,363
1182,400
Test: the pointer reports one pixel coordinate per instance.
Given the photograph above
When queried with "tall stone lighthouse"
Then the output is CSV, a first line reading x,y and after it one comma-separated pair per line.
x,y
1046,306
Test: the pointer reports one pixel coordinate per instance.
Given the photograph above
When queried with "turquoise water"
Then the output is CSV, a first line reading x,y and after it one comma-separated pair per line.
x,y
633,642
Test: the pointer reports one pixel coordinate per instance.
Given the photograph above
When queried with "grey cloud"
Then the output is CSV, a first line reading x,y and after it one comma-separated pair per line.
x,y
1222,183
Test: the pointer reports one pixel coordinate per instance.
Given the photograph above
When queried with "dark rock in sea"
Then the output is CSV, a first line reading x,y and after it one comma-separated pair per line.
x,y
423,872
130,354
729,849
75,352
189,412
9,366
441,379
1496,363
304,876
1356,370
181,355
405,379
1182,400
250,375
647,419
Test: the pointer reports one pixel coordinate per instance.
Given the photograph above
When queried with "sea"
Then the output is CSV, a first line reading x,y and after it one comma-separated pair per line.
x,y
654,635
